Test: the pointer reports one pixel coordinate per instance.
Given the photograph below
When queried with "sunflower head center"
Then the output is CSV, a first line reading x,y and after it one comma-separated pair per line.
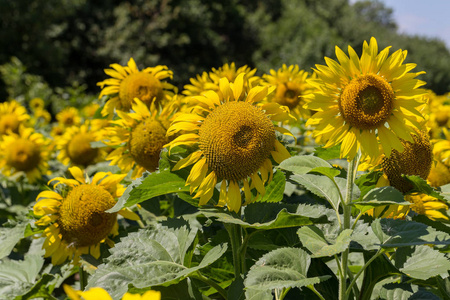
x,y
146,141
80,151
23,155
9,122
83,219
236,138
141,85
416,159
366,102
288,95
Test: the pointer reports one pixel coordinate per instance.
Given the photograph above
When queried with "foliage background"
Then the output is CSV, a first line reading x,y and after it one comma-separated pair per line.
x,y
70,42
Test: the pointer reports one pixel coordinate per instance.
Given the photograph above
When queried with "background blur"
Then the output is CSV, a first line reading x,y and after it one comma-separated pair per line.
x,y
60,47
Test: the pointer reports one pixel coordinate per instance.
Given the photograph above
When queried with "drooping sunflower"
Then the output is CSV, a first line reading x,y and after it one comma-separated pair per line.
x,y
75,148
69,116
291,86
128,83
363,101
25,152
74,216
100,294
235,139
138,137
12,115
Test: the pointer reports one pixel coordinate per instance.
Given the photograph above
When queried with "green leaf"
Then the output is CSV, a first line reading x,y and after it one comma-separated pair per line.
x,y
386,195
367,182
321,186
150,257
425,263
281,268
401,233
275,189
283,218
405,291
329,172
17,277
40,289
302,164
421,186
328,153
9,237
314,240
252,294
155,184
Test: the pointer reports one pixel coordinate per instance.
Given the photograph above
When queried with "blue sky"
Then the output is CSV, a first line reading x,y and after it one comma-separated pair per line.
x,y
429,18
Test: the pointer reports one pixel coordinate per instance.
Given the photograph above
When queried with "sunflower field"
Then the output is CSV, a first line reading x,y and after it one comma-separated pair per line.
x,y
330,182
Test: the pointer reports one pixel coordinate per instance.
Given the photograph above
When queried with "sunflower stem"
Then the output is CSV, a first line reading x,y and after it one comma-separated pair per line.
x,y
209,282
346,208
234,232
83,278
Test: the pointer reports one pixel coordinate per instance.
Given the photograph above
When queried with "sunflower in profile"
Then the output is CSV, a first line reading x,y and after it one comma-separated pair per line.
x,y
291,86
26,152
138,137
69,116
127,83
74,145
73,216
12,115
234,138
416,159
364,101
98,293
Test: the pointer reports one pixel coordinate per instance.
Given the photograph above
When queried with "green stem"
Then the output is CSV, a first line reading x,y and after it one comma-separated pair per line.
x,y
312,288
234,232
211,283
83,278
346,208
362,270
284,293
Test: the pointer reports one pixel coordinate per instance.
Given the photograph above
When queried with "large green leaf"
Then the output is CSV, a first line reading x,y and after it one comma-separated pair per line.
x,y
404,291
386,195
281,268
321,186
401,233
10,236
155,184
314,240
302,164
425,263
261,217
17,277
150,257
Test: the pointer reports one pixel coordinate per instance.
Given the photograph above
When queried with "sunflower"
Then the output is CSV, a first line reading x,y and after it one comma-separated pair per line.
x,y
199,84
89,110
128,83
37,104
234,139
421,204
439,175
26,152
74,218
74,145
12,115
100,294
230,72
138,137
363,101
291,86
69,116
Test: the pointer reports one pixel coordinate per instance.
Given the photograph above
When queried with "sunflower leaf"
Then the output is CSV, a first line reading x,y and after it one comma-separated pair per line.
x,y
421,186
275,189
405,291
386,195
314,240
17,277
321,186
425,263
155,184
281,268
150,257
10,236
403,233
302,164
